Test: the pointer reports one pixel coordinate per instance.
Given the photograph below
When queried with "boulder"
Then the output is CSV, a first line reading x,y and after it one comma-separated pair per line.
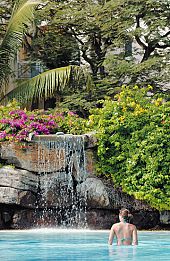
x,y
102,194
18,187
33,156
95,192
165,217
23,219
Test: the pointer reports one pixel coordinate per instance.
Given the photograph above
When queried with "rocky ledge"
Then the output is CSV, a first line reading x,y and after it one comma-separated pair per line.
x,y
23,186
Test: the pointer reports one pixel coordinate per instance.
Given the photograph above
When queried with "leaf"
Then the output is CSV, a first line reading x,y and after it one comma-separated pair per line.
x,y
47,83
21,18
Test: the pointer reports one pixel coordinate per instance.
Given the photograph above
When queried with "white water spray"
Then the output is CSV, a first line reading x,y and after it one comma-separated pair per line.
x,y
61,167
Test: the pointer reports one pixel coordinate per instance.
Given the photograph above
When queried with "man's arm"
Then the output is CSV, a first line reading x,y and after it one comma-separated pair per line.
x,y
111,235
135,236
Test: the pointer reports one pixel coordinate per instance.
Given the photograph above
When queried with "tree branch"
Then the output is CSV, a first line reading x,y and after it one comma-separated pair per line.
x,y
138,40
76,37
165,35
162,46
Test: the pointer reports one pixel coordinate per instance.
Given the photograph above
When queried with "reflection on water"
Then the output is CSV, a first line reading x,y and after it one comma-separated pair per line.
x,y
122,252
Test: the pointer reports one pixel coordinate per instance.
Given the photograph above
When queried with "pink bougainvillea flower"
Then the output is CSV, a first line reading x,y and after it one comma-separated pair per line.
x,y
3,134
71,113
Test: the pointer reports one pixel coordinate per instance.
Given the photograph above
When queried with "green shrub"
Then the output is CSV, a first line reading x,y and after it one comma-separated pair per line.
x,y
133,144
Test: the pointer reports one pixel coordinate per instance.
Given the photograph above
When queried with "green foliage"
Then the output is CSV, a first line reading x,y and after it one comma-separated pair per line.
x,y
21,17
133,144
103,28
5,11
81,19
45,85
82,101
54,48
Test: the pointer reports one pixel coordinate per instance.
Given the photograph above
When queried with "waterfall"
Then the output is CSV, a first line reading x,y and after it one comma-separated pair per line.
x,y
61,167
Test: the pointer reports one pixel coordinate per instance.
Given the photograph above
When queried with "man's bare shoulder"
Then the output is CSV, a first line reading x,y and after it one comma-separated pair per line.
x,y
132,226
115,225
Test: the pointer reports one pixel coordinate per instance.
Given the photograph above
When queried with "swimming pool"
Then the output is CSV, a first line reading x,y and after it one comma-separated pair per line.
x,y
54,244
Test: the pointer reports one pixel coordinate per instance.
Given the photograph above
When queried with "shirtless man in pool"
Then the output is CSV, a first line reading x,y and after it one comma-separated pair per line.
x,y
125,232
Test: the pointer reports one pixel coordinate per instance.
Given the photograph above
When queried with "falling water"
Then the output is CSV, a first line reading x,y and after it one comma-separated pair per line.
x,y
61,165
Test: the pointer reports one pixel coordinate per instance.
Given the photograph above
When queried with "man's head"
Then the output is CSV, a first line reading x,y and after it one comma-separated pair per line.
x,y
124,215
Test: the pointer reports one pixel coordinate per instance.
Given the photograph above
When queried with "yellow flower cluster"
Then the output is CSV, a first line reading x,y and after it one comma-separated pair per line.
x,y
121,119
139,110
158,101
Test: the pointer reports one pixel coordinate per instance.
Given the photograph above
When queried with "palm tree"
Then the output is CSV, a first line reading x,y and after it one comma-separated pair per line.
x,y
43,85
21,17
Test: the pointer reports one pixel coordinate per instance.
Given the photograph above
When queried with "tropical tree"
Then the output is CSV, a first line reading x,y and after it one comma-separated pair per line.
x,y
21,17
146,25
43,85
54,49
49,44
49,83
80,19
107,31
121,42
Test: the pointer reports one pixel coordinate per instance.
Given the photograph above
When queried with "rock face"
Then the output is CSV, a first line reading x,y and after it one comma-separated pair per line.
x,y
165,217
18,192
97,196
18,187
104,202
29,198
28,156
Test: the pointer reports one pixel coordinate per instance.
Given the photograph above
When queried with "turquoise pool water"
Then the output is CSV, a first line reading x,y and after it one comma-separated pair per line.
x,y
52,244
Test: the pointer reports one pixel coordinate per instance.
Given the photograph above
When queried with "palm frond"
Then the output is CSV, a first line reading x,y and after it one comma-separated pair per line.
x,y
47,83
21,18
